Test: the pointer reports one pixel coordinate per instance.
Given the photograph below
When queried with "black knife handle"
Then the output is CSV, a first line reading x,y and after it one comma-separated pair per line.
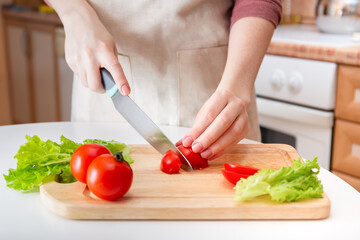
x,y
108,82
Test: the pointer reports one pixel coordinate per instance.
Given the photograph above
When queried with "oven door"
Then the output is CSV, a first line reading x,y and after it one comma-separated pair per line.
x,y
308,130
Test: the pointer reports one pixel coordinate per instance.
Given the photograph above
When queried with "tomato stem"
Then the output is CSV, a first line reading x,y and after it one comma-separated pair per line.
x,y
119,157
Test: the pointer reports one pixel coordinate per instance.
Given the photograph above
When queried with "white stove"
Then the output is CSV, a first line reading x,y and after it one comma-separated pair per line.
x,y
296,97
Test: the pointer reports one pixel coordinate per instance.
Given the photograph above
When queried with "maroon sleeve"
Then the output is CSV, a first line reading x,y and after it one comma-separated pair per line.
x,y
266,9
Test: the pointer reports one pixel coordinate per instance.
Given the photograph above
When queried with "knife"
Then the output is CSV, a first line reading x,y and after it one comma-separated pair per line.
x,y
139,120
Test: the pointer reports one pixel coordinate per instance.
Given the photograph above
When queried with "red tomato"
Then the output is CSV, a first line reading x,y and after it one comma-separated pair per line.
x,y
109,177
170,163
240,169
233,177
195,159
83,156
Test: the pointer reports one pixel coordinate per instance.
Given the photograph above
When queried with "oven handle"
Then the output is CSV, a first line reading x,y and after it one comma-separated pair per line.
x,y
295,113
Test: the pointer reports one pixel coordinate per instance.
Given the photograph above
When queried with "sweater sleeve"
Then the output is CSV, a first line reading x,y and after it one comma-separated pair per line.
x,y
266,9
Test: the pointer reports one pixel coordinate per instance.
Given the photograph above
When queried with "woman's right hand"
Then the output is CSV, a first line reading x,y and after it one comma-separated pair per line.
x,y
88,45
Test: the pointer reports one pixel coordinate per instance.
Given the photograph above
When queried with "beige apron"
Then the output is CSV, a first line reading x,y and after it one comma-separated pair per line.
x,y
173,54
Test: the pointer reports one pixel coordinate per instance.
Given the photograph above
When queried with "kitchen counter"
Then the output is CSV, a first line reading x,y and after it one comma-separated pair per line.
x,y
24,217
306,41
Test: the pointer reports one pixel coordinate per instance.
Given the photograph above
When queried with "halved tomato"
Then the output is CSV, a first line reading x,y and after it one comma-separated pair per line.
x,y
195,159
170,163
233,177
240,168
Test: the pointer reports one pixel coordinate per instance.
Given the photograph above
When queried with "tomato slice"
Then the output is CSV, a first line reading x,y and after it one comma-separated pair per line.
x,y
233,177
170,163
195,159
237,168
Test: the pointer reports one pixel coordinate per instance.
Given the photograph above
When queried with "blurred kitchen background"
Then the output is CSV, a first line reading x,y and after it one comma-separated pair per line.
x,y
308,87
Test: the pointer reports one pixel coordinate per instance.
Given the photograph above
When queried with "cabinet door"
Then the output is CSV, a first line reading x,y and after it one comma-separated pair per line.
x,y
44,70
348,93
65,76
346,148
20,86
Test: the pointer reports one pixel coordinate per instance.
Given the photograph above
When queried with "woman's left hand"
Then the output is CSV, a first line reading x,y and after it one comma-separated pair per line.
x,y
220,124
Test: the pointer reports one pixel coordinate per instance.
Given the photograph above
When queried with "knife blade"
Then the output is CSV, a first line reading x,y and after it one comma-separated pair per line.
x,y
138,119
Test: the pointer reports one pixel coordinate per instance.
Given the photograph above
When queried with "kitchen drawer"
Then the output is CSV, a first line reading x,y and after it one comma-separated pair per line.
x,y
346,148
348,93
353,181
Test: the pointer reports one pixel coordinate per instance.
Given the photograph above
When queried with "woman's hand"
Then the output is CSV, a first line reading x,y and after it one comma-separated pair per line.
x,y
89,46
221,123
223,120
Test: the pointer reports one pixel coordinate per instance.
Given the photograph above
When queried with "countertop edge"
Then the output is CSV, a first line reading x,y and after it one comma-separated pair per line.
x,y
340,55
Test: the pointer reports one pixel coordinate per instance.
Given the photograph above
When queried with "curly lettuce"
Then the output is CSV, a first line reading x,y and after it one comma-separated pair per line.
x,y
287,184
41,161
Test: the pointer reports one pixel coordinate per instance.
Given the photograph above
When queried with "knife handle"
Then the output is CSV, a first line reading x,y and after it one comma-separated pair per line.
x,y
108,82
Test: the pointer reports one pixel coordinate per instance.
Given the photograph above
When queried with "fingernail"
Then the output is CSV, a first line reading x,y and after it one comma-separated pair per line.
x,y
206,154
197,147
187,142
125,90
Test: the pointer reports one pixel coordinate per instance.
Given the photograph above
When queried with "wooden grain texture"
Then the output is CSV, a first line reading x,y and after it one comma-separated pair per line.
x,y
203,194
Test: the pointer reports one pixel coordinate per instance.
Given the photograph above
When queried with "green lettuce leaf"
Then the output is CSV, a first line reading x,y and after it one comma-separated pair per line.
x,y
287,184
41,161
114,147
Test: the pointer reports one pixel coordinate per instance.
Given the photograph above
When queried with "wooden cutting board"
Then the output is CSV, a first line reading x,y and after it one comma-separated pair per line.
x,y
203,194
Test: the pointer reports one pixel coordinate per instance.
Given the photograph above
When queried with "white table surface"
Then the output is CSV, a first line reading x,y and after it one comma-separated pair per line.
x,y
22,216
